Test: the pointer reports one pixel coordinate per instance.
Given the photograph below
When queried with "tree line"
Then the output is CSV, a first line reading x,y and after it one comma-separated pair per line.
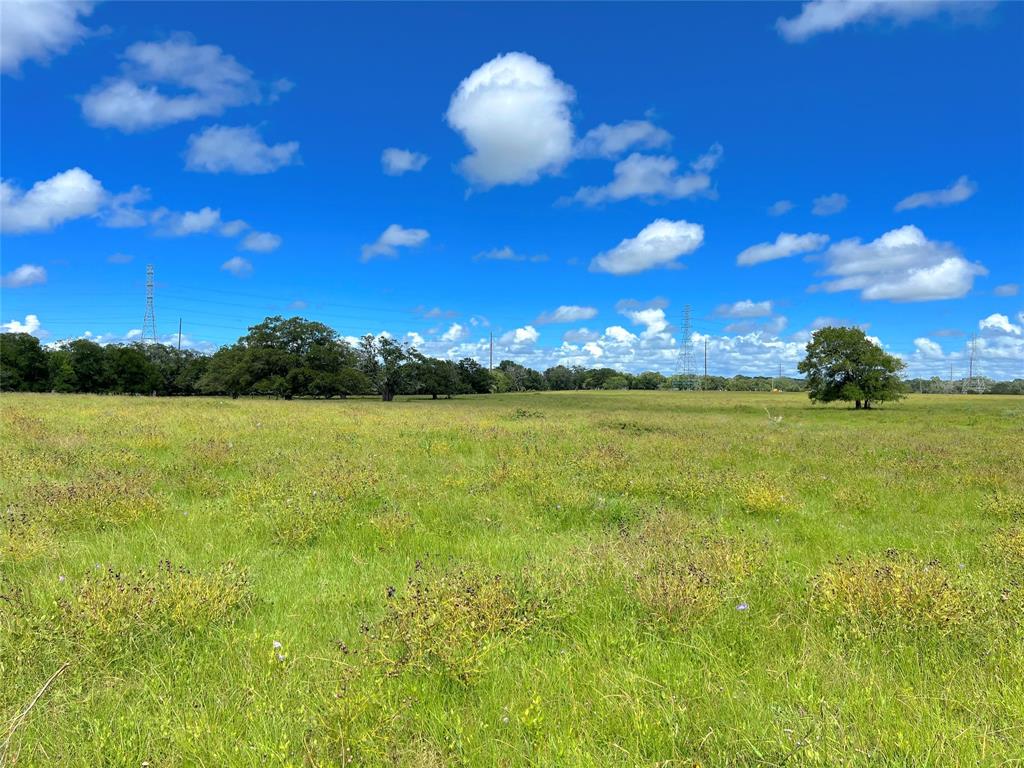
x,y
295,357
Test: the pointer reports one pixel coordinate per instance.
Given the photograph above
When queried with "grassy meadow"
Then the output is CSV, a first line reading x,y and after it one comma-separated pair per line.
x,y
557,579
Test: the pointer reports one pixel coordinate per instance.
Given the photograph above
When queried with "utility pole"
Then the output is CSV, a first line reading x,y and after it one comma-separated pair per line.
x,y
179,334
149,320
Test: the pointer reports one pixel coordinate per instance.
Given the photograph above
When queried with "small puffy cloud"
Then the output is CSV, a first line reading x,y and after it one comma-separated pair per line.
x,y
745,308
37,31
827,205
961,189
525,336
513,113
567,313
508,254
237,266
780,207
901,265
260,242
454,333
23,276
120,258
653,176
233,228
999,323
580,336
818,16
48,204
1007,289
172,224
658,244
612,140
241,149
31,325
396,161
169,82
393,238
785,245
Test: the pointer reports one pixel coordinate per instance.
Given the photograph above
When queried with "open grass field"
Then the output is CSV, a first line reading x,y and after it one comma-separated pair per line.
x,y
563,579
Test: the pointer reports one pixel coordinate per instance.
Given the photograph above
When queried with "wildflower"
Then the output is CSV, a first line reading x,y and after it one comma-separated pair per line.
x,y
277,644
742,607
61,578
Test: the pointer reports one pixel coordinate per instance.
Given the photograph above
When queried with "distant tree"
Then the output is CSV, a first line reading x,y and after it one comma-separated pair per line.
x,y
844,364
129,370
596,377
89,362
384,362
475,378
62,375
500,381
435,377
226,373
648,380
618,381
560,377
23,365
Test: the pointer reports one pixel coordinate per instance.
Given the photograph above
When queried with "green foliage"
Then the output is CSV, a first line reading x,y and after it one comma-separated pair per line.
x,y
844,364
22,363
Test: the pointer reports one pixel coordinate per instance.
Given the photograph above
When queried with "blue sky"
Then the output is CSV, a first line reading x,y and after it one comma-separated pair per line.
x,y
566,177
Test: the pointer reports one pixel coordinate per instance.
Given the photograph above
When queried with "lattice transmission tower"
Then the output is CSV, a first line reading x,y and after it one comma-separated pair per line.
x,y
149,321
974,383
686,364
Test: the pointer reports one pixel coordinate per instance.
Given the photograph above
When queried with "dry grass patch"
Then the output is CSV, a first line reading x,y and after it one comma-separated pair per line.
x,y
894,593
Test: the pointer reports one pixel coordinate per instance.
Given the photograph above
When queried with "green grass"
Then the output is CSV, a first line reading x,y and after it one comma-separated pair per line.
x,y
562,579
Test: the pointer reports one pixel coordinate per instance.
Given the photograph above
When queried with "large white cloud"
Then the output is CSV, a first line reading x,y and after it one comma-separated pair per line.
x,y
69,195
901,265
785,245
961,189
999,323
396,161
169,82
567,313
612,140
391,239
24,276
37,30
818,16
31,325
658,244
514,115
237,149
653,176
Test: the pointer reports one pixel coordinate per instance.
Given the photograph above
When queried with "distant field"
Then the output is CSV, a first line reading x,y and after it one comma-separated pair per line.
x,y
560,579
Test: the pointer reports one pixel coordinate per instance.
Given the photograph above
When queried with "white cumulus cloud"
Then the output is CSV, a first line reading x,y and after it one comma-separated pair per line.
x,y
260,242
513,113
612,140
23,276
240,149
961,189
237,266
653,176
827,205
567,313
780,207
169,82
818,16
745,308
658,244
521,337
396,161
901,265
999,323
69,195
31,325
37,31
455,332
785,245
393,238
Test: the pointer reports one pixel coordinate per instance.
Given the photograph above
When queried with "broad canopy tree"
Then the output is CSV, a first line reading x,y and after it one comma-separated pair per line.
x,y
844,364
